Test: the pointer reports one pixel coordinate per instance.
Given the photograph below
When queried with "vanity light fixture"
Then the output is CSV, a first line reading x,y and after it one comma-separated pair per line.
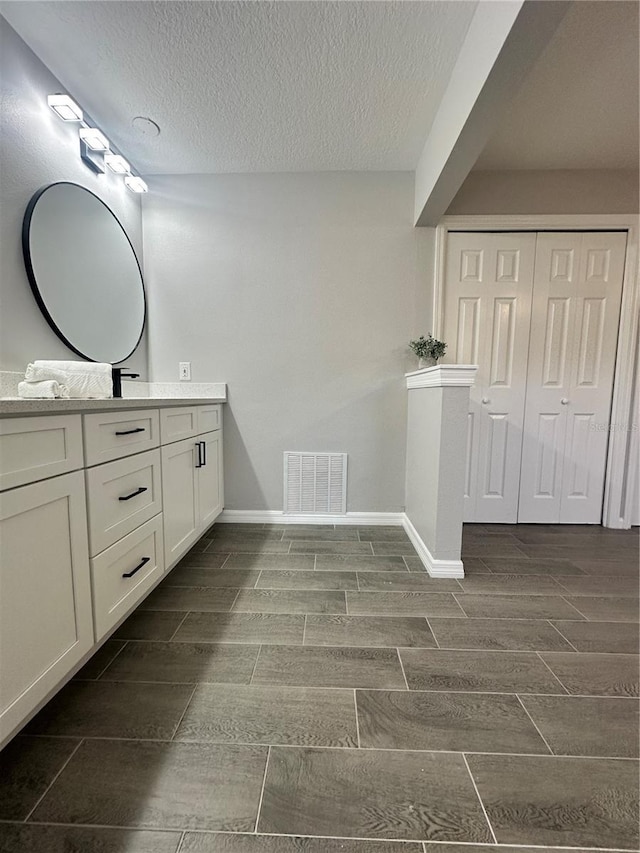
x,y
94,139
95,149
117,164
135,184
65,107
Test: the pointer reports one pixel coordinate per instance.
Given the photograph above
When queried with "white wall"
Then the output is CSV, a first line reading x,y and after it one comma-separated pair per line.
x,y
300,291
555,191
37,149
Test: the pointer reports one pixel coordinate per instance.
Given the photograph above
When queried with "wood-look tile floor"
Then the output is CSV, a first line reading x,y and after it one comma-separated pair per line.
x,y
312,689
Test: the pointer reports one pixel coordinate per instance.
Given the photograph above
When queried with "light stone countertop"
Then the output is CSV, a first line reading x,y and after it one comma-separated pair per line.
x,y
10,406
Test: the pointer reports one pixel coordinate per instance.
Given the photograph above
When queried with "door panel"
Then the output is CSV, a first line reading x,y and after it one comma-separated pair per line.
x,y
489,279
577,290
210,498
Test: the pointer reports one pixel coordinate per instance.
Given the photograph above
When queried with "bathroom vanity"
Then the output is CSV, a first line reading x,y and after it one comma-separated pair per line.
x,y
98,500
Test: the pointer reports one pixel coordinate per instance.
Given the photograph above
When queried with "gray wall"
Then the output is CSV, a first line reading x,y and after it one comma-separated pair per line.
x,y
37,149
301,291
537,192
436,450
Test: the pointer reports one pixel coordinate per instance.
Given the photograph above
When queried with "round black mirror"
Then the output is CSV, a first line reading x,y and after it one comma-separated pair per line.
x,y
84,272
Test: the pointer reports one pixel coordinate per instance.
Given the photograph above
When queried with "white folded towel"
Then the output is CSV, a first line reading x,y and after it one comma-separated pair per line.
x,y
83,379
93,367
33,373
46,389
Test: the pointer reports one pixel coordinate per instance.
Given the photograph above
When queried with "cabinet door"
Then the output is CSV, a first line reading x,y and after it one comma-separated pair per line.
x,y
210,480
180,498
45,598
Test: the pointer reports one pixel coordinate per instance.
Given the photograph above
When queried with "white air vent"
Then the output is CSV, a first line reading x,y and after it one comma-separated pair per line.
x,y
315,483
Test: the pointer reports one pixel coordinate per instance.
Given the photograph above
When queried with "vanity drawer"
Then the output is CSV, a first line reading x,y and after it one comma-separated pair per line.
x,y
209,418
181,422
139,555
35,448
111,435
121,496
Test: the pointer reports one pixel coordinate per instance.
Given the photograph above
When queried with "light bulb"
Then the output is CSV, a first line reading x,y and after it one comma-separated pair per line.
x,y
94,139
117,164
135,184
65,107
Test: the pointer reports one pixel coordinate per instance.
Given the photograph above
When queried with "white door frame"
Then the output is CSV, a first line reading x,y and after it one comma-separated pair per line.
x,y
623,452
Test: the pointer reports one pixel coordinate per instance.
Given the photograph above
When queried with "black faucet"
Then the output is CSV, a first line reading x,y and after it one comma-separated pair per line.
x,y
117,376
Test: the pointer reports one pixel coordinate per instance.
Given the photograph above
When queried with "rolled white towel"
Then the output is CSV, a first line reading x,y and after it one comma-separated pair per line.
x,y
46,389
86,367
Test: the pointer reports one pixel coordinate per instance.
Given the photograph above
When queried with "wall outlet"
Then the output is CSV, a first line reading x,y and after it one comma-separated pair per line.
x,y
185,371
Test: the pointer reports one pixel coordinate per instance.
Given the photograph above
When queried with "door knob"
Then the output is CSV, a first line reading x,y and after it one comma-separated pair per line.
x,y
564,401
485,400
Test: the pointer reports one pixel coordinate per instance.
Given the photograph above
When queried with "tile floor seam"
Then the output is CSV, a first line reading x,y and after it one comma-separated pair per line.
x,y
404,675
264,782
225,561
253,671
433,634
555,627
464,612
378,840
586,618
315,562
182,621
304,630
524,708
553,674
355,705
53,781
102,671
233,604
186,708
181,841
317,747
475,788
342,687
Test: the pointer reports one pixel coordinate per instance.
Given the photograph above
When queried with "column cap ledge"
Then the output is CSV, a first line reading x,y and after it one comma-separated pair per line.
x,y
443,376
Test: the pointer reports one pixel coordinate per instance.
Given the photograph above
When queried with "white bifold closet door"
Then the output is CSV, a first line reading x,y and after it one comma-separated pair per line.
x,y
489,282
538,314
572,351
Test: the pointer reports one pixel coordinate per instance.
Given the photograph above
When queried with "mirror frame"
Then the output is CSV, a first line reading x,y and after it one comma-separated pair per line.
x,y
26,251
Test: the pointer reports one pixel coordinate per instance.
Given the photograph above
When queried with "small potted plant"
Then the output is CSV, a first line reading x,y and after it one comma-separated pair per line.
x,y
428,350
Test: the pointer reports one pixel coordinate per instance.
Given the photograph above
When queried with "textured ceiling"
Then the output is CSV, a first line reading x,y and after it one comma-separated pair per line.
x,y
254,86
578,109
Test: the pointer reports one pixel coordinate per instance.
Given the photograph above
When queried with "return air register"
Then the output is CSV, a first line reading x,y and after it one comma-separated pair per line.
x,y
315,483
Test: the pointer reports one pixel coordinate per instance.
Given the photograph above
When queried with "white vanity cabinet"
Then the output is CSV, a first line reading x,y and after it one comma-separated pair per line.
x,y
93,509
192,479
45,593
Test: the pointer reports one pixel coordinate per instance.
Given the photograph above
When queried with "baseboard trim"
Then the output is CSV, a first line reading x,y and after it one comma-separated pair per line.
x,y
436,568
365,519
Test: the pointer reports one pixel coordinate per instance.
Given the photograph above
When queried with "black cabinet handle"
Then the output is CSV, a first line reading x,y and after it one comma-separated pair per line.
x,y
131,431
134,494
143,562
199,463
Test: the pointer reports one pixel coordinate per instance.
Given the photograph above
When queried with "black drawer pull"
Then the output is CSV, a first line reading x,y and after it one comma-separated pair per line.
x,y
143,562
131,431
134,494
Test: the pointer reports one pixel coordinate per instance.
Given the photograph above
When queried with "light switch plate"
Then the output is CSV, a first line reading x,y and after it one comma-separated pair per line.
x,y
185,371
